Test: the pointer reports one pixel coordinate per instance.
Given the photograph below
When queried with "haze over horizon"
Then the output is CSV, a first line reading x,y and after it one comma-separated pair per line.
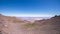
x,y
30,8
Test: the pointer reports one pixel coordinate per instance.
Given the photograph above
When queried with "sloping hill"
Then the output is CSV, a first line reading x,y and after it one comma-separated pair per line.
x,y
12,25
10,19
6,22
50,26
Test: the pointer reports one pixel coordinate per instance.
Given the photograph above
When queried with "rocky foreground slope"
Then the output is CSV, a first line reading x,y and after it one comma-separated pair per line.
x,y
12,25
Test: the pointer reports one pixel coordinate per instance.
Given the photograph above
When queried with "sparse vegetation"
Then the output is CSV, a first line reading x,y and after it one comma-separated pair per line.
x,y
30,26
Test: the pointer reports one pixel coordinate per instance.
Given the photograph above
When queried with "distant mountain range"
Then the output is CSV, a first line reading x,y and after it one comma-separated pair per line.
x,y
33,18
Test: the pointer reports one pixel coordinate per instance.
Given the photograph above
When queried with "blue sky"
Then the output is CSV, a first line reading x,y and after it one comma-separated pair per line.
x,y
41,8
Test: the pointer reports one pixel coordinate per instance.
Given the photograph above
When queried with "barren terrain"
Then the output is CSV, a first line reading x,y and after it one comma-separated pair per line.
x,y
12,25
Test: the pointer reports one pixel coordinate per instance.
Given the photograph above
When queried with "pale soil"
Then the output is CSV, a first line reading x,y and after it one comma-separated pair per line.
x,y
17,28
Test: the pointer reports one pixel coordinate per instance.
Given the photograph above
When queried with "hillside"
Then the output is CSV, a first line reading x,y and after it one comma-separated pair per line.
x,y
10,19
5,22
50,26
13,25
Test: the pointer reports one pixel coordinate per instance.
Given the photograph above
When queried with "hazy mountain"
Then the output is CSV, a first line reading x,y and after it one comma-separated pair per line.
x,y
33,18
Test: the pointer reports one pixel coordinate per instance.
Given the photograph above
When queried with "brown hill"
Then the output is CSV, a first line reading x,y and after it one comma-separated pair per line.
x,y
50,26
10,19
6,20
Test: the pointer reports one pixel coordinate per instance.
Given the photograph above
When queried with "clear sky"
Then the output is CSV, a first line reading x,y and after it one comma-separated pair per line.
x,y
42,8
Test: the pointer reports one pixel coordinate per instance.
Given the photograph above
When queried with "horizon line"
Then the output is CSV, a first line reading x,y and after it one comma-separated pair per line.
x,y
37,15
